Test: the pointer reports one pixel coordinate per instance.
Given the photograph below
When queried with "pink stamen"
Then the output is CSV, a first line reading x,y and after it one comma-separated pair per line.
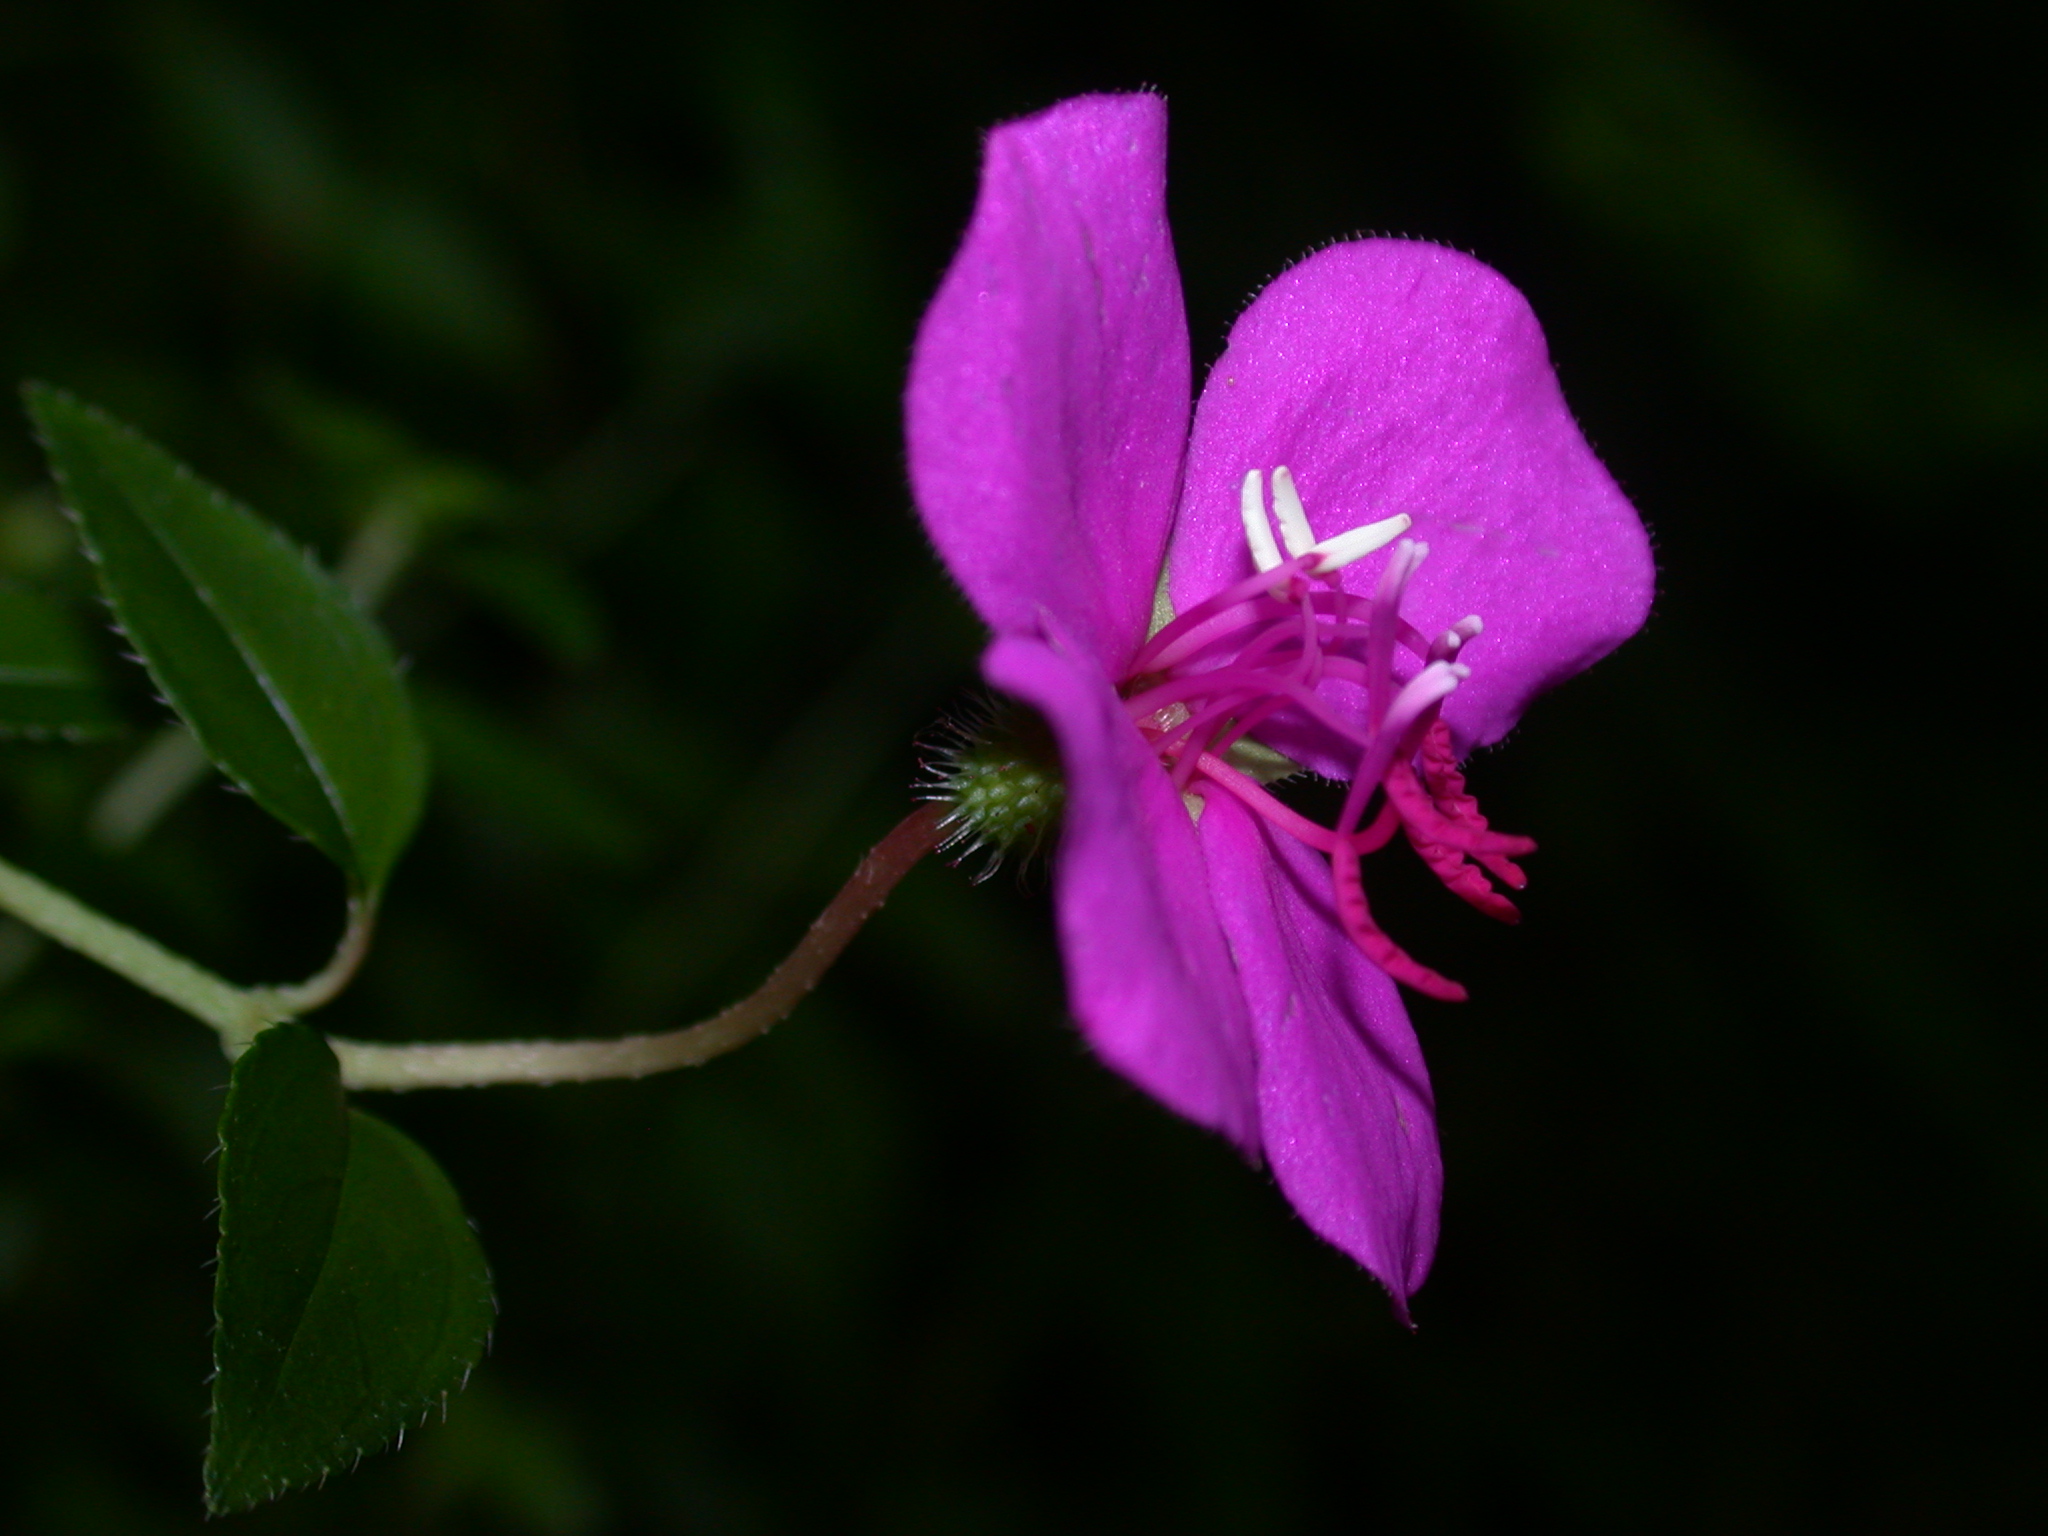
x,y
1447,861
1243,725
1400,728
1428,818
1386,613
1453,640
1286,818
1447,788
1252,684
1269,644
1152,657
1310,672
1221,634
1341,603
1381,832
1382,951
1291,821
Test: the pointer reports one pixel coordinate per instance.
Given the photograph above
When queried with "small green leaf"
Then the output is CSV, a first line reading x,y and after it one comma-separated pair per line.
x,y
351,1296
48,683
289,688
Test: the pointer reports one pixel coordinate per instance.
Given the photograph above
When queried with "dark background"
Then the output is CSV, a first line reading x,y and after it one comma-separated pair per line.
x,y
1747,1161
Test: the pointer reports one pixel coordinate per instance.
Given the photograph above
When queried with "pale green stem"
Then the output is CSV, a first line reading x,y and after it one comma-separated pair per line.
x,y
235,1013
238,1014
173,762
463,1064
316,991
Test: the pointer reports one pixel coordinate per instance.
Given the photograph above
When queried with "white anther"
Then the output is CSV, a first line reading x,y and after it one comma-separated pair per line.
x,y
1257,531
1453,640
1292,515
1357,543
1335,553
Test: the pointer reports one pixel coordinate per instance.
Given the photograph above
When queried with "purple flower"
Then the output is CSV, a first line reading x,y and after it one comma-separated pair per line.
x,y
1219,948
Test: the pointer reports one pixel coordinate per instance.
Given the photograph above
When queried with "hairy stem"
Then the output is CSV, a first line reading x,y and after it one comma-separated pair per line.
x,y
235,1013
462,1064
316,991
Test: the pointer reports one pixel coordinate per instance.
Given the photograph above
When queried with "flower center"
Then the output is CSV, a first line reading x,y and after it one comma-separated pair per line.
x,y
1291,643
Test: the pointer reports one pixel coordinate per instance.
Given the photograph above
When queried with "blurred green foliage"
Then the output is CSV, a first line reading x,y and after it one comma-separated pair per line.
x,y
50,688
578,330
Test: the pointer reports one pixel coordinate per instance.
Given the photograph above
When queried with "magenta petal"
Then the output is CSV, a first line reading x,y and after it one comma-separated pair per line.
x,y
1048,398
1393,376
1347,1117
1148,974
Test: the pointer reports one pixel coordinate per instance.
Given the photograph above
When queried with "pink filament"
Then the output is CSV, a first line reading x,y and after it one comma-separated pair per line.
x,y
1267,644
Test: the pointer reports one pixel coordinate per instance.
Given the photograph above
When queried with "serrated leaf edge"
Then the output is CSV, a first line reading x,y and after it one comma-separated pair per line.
x,y
315,763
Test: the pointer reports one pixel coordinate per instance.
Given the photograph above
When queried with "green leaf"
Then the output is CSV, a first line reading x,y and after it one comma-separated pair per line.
x,y
289,688
351,1296
48,683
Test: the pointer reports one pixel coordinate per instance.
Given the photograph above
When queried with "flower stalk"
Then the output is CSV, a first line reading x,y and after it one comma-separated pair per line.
x,y
239,1014
467,1064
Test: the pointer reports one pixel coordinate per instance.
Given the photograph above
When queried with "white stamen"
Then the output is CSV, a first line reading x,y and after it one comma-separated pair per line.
x,y
1357,543
1292,515
1335,553
1257,531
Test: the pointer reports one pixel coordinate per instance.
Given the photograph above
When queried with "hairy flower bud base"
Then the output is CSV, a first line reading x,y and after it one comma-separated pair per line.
x,y
996,769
